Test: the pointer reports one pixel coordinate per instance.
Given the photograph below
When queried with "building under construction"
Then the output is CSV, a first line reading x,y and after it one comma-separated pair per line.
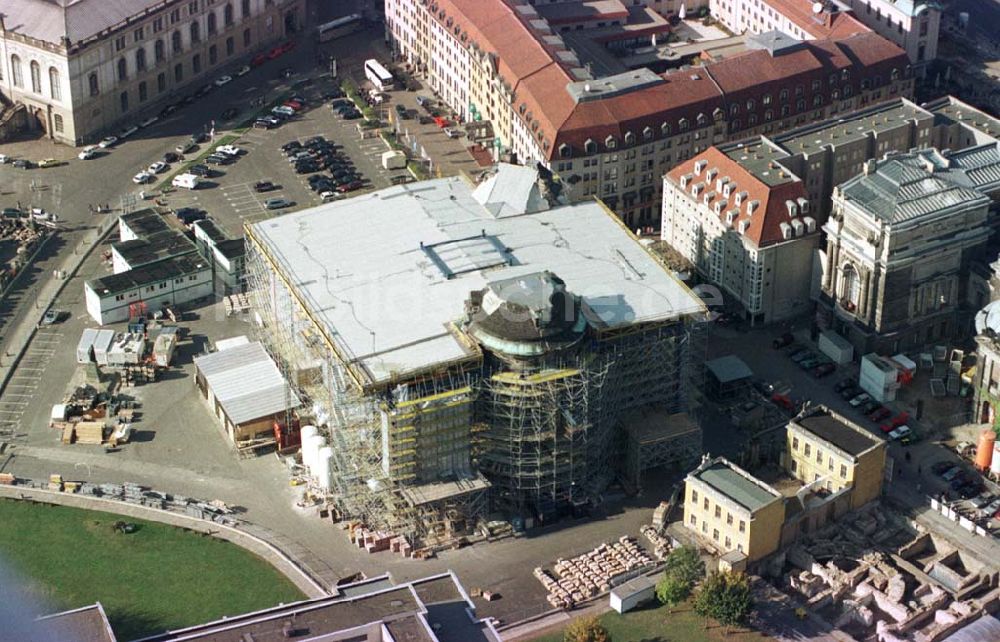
x,y
471,348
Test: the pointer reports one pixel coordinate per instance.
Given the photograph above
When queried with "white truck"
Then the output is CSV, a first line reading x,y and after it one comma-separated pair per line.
x,y
394,159
187,181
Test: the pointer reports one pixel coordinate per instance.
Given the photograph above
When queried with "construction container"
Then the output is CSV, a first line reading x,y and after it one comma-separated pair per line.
x,y
879,377
836,347
85,349
163,348
984,451
126,349
394,160
101,344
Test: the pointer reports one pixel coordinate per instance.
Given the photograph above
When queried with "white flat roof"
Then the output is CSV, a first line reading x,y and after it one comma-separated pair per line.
x,y
387,272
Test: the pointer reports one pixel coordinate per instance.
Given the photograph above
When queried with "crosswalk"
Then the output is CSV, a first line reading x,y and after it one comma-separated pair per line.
x,y
20,390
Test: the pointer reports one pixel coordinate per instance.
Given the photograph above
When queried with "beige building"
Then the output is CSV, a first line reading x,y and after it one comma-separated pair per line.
x,y
731,510
827,450
84,68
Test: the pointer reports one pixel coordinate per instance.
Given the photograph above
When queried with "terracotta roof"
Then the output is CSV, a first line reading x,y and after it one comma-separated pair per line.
x,y
823,25
766,220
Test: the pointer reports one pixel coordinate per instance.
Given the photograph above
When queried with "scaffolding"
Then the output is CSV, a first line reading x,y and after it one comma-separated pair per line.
x,y
410,454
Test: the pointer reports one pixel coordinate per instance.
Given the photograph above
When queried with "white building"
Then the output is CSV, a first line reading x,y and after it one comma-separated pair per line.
x,y
225,254
85,67
170,282
911,24
746,227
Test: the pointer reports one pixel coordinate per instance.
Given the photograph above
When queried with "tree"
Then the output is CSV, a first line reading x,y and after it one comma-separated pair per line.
x,y
586,629
726,597
672,591
684,564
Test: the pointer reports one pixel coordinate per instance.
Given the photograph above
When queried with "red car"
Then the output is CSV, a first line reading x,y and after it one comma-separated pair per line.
x,y
274,53
286,47
441,122
899,420
258,60
880,414
297,106
782,401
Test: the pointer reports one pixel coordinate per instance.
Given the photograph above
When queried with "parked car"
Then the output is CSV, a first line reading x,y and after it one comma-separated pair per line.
x,y
844,384
185,147
51,316
107,141
899,433
229,150
879,414
205,90
951,473
142,177
277,203
218,159
259,60
223,80
824,370
290,145
171,157
264,186
200,170
157,167
4,159
188,215
869,407
169,109
801,355
263,123
244,70
859,399
350,187
779,342
23,163
149,121
452,133
982,500
850,392
128,131
288,112
87,152
329,196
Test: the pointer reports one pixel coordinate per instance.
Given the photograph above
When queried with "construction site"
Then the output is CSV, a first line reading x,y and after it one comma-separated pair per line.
x,y
466,354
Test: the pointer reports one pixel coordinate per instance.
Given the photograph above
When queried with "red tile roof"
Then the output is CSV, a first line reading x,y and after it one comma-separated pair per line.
x,y
539,79
766,220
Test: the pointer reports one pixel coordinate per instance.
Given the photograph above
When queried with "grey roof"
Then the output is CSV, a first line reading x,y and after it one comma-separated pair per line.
x,y
246,382
729,368
836,432
164,270
737,487
774,42
985,629
86,624
51,20
513,190
907,187
633,586
384,298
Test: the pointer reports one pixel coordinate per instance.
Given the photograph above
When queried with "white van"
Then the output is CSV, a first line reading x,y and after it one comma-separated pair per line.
x,y
187,181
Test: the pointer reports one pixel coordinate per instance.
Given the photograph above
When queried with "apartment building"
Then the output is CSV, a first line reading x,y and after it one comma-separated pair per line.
x,y
912,24
828,451
731,510
901,244
614,137
86,67
746,227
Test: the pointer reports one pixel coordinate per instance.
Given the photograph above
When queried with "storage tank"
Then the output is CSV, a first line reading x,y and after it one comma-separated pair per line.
x,y
995,464
310,450
308,432
984,452
324,465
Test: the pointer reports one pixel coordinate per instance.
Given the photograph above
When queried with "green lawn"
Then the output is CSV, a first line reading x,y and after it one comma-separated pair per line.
x,y
655,623
159,577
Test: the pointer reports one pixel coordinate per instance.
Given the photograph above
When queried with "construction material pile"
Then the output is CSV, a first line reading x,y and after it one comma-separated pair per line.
x,y
592,573
236,304
376,541
661,545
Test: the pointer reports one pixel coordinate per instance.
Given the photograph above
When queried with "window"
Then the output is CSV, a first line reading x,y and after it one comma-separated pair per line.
x,y
807,450
729,519
161,82
158,51
158,25
124,101
137,35
178,72
245,8
694,496
705,504
213,55
140,59
819,456
36,77
193,7
794,466
196,63
246,37
176,42
795,443
143,92
693,520
718,512
843,471
119,43
195,32
768,115
227,15
92,81
175,16
230,46
767,99
57,123
783,96
751,104
211,23
55,84
729,542
715,534
743,526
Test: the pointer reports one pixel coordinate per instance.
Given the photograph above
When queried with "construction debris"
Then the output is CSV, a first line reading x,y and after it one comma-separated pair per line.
x,y
593,573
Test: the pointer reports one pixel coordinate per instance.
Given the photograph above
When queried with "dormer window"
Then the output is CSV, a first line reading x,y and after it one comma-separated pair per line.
x,y
565,151
629,138
590,146
683,124
610,142
665,129
702,119
647,133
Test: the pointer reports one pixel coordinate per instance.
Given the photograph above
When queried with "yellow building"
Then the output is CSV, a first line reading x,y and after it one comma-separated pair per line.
x,y
731,510
825,448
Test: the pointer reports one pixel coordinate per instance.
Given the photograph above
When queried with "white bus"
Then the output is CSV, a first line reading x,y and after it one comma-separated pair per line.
x,y
377,75
339,27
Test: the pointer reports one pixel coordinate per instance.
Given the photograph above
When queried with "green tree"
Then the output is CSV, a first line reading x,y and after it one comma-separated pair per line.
x,y
672,591
586,629
725,596
685,565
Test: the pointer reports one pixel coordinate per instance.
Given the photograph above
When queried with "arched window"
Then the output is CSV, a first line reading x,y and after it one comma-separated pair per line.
x,y
16,75
195,32
176,41
57,123
196,64
158,51
124,101
213,55
178,72
94,88
36,77
211,23
140,59
850,287
246,37
245,8
122,69
161,82
230,46
143,92
227,15
55,84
